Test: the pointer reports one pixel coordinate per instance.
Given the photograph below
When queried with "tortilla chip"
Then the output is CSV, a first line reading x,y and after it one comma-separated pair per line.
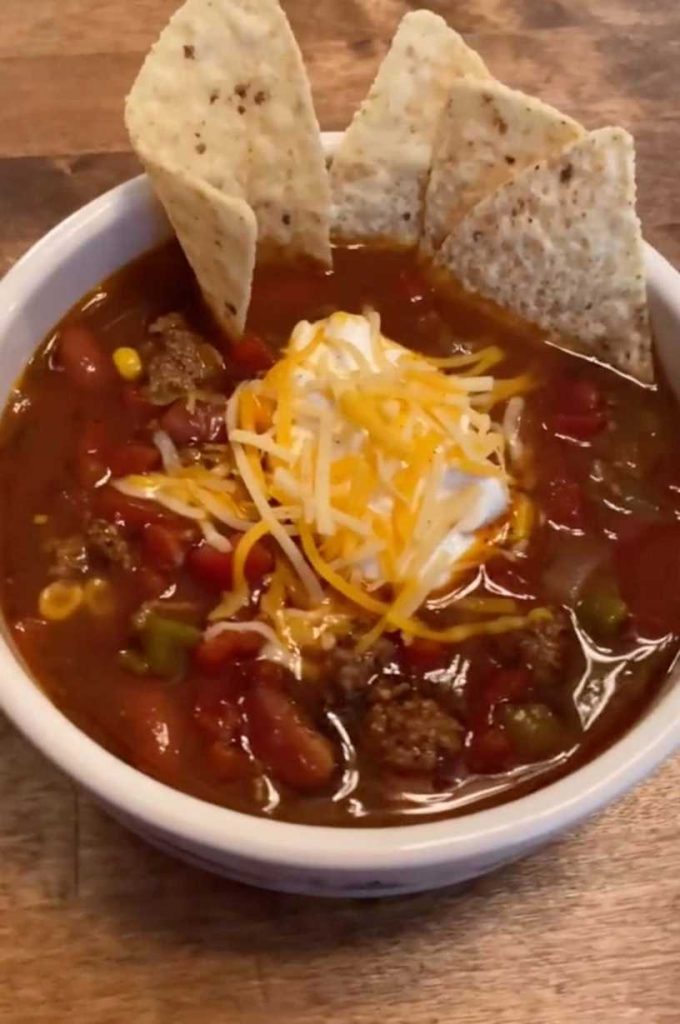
x,y
487,134
561,247
218,234
380,171
223,95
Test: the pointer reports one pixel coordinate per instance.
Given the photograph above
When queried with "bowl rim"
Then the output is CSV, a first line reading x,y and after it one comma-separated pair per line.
x,y
516,824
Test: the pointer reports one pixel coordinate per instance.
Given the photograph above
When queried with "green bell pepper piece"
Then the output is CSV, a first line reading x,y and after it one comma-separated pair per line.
x,y
166,644
534,730
602,610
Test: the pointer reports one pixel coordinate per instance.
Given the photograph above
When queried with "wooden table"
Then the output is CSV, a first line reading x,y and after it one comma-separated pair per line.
x,y
99,928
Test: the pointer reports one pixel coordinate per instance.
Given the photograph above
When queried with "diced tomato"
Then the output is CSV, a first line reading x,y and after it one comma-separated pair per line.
x,y
648,568
85,361
280,735
216,708
134,458
205,423
132,514
422,654
251,355
156,728
211,656
211,567
230,763
165,547
489,752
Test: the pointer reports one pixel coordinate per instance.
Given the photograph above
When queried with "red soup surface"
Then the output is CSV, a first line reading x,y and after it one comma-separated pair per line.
x,y
109,595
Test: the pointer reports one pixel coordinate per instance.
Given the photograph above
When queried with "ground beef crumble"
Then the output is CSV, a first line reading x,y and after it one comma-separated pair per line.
x,y
406,731
351,673
106,540
70,557
180,360
543,647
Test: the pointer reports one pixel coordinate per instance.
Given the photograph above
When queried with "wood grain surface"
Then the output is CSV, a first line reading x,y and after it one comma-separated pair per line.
x,y
98,928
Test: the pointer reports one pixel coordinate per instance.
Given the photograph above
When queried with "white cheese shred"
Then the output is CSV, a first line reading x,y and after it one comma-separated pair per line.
x,y
375,472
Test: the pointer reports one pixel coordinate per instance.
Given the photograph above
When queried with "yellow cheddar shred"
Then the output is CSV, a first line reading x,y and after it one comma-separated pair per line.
x,y
243,548
366,463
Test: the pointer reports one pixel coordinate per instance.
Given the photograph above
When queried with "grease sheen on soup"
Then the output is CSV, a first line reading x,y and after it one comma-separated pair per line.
x,y
411,729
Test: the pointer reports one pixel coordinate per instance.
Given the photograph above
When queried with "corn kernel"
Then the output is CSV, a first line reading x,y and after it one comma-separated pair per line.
x,y
128,363
98,597
60,600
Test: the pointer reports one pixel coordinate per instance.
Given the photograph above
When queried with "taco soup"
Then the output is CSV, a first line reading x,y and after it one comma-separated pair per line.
x,y
271,575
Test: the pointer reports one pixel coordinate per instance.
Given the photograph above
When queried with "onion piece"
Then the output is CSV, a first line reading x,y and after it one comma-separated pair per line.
x,y
511,428
568,571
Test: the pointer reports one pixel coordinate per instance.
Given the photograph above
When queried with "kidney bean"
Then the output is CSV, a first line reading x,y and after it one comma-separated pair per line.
x,y
216,708
156,729
281,736
205,423
230,763
85,361
165,547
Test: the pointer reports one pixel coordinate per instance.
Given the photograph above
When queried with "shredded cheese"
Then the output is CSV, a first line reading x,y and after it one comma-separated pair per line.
x,y
262,505
243,549
374,469
251,626
166,447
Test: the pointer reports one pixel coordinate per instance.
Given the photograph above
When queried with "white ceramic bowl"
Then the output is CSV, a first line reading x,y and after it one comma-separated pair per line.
x,y
36,293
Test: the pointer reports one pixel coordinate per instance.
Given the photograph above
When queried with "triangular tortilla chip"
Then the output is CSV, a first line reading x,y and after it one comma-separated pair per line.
x,y
223,95
487,134
561,247
218,234
379,173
